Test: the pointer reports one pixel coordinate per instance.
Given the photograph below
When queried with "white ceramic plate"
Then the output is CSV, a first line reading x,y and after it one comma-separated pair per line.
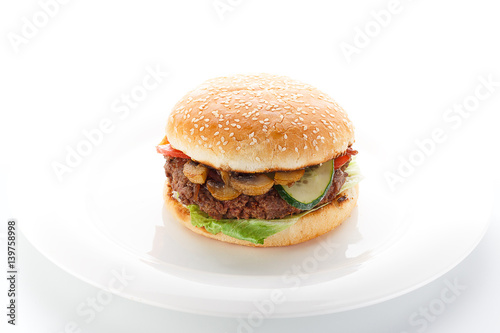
x,y
108,216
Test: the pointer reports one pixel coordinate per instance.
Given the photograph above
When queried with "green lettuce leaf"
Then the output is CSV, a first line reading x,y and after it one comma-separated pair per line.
x,y
354,175
252,230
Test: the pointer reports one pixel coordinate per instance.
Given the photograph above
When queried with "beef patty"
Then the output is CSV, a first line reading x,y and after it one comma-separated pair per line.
x,y
266,206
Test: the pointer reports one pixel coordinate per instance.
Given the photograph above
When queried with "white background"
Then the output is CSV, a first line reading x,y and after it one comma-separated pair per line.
x,y
65,76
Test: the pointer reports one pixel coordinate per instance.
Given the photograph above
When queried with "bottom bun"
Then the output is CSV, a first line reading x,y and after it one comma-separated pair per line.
x,y
307,227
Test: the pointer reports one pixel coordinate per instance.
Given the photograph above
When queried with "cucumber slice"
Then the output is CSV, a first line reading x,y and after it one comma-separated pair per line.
x,y
311,188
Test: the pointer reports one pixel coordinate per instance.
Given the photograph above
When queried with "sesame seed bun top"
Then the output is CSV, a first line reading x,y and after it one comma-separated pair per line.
x,y
259,123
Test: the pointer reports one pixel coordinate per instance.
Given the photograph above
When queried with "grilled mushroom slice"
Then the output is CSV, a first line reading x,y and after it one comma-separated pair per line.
x,y
251,183
196,173
288,177
225,176
221,191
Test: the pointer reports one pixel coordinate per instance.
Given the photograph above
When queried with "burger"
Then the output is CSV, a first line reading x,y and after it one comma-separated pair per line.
x,y
259,160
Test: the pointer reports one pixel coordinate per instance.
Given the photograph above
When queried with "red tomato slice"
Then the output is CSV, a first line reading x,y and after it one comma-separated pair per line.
x,y
168,150
340,161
